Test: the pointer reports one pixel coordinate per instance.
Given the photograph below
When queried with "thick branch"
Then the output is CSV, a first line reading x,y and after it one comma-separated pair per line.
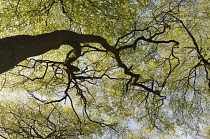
x,y
17,48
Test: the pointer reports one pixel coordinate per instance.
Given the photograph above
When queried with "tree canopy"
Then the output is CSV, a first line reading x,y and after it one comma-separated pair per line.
x,y
89,67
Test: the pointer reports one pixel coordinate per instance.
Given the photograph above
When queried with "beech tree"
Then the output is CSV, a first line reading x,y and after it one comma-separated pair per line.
x,y
111,61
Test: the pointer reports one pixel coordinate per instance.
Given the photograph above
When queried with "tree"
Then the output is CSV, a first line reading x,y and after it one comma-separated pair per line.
x,y
148,61
30,119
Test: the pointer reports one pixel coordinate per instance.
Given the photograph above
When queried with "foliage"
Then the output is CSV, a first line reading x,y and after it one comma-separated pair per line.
x,y
30,119
157,72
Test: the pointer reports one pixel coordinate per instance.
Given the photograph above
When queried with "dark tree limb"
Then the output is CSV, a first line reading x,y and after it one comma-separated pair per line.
x,y
17,48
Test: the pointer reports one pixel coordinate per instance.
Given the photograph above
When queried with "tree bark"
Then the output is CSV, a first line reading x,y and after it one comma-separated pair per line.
x,y
15,49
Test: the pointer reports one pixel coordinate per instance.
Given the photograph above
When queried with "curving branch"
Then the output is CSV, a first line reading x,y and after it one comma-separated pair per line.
x,y
17,48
